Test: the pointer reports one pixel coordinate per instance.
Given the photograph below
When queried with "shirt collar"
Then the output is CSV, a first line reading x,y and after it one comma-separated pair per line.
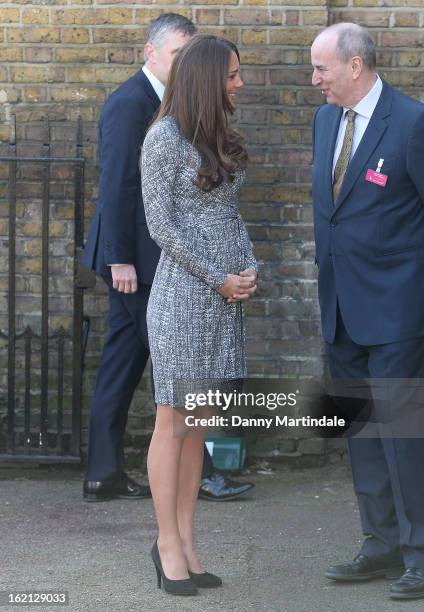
x,y
155,83
366,106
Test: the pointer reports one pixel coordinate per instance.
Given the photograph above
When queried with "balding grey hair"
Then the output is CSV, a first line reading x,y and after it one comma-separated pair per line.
x,y
352,40
159,28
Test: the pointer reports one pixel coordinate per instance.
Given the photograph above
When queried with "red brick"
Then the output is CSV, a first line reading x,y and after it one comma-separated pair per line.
x,y
367,19
246,17
291,17
120,55
406,19
402,39
207,16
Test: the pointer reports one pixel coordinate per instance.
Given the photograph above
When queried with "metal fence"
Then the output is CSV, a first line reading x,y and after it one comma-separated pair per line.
x,y
42,360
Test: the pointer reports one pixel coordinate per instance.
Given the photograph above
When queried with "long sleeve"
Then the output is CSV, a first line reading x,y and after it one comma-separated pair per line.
x,y
159,164
247,246
122,129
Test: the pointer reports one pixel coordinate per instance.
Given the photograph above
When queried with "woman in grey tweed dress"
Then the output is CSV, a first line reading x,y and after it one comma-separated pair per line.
x,y
194,333
206,269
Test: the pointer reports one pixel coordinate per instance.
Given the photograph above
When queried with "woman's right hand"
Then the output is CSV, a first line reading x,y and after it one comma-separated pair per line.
x,y
235,285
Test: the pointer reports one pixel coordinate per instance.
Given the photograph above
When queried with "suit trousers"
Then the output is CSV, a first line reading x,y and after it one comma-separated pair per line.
x,y
387,467
124,358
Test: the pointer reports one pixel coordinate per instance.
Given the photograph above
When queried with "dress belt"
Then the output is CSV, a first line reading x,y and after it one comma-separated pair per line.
x,y
211,220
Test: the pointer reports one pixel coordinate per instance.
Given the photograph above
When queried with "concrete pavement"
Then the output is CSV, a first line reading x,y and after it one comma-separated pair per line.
x,y
271,548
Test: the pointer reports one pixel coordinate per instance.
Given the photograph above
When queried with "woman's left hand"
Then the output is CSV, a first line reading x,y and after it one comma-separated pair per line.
x,y
251,275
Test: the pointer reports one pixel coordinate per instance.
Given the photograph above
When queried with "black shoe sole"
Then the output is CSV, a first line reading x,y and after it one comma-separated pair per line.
x,y
181,594
93,498
390,574
133,497
407,595
206,497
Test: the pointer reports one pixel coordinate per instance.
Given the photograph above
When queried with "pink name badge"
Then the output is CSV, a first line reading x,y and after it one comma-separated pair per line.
x,y
376,177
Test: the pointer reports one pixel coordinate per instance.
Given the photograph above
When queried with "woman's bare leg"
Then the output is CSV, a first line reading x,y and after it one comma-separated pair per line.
x,y
163,466
188,490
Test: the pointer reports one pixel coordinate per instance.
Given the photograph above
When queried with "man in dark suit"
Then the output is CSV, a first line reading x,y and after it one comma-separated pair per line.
x,y
368,197
120,250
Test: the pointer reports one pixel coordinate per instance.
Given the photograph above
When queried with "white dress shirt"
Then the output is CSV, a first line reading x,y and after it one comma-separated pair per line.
x,y
155,83
364,110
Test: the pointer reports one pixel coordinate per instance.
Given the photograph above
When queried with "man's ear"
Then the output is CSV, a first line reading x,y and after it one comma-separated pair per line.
x,y
149,51
356,66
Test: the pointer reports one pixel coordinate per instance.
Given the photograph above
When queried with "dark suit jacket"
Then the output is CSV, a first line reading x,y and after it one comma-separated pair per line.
x,y
370,245
118,232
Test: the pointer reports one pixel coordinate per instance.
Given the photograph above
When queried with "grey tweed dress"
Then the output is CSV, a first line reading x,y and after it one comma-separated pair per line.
x,y
194,333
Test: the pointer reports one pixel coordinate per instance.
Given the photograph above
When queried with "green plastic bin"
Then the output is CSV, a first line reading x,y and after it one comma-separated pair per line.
x,y
228,452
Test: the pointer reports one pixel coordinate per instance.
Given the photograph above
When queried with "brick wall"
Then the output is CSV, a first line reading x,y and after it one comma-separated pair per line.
x,y
64,59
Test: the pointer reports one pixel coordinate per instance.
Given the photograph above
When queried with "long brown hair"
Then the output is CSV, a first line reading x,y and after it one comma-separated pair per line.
x,y
196,96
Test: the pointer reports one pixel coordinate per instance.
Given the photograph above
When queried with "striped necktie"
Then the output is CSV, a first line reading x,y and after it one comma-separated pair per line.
x,y
344,157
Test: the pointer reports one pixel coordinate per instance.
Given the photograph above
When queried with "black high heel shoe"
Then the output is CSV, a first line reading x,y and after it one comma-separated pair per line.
x,y
173,587
205,580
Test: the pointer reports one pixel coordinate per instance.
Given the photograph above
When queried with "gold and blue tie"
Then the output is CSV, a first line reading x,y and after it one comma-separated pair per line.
x,y
345,153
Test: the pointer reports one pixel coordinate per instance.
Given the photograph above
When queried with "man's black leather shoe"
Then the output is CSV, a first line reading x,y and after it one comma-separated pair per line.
x,y
368,568
219,488
410,585
116,488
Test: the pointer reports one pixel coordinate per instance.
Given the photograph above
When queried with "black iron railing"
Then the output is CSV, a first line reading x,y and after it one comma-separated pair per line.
x,y
50,437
